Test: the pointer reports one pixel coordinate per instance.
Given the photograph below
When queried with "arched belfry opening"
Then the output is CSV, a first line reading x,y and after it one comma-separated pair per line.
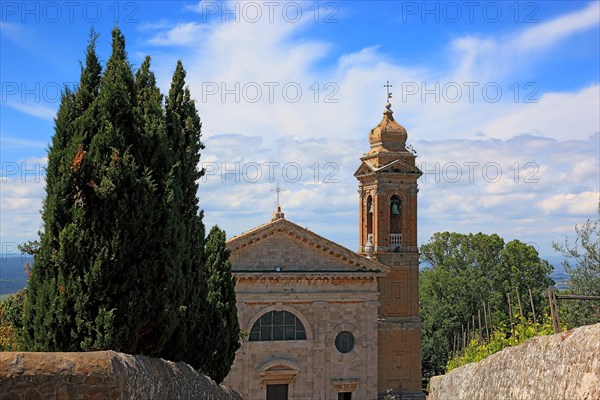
x,y
395,215
370,211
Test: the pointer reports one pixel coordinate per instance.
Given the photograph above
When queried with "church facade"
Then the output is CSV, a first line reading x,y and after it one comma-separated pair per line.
x,y
327,323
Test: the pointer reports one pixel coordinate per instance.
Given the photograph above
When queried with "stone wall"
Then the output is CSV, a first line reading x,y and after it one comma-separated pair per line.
x,y
558,367
102,375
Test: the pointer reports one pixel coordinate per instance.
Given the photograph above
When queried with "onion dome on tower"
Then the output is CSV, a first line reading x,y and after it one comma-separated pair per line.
x,y
388,141
389,135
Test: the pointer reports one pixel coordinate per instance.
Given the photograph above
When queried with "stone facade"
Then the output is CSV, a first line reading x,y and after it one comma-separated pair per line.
x,y
556,367
284,267
370,297
102,375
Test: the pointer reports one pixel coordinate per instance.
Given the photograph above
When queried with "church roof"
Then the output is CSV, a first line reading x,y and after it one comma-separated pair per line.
x,y
283,246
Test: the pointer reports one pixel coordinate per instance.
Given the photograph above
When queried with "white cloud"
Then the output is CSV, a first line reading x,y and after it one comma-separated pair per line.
x,y
21,194
580,204
342,100
20,203
246,76
492,58
37,110
556,115
15,32
546,34
556,151
180,35
469,202
11,142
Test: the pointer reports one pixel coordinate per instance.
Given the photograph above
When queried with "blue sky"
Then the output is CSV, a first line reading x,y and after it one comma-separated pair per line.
x,y
501,102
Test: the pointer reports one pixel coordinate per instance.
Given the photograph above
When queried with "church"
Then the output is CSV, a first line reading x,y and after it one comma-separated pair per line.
x,y
325,322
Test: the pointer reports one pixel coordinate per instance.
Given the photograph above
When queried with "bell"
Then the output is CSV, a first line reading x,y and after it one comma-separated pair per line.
x,y
371,208
395,209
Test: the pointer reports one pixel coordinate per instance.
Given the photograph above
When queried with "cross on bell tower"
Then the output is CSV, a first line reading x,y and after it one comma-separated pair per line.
x,y
388,190
389,94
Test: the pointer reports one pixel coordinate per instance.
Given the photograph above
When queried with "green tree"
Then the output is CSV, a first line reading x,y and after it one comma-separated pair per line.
x,y
582,263
224,338
190,340
526,271
90,267
11,319
121,259
48,316
464,271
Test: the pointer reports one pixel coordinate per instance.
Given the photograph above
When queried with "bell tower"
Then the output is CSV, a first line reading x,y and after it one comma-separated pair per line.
x,y
388,233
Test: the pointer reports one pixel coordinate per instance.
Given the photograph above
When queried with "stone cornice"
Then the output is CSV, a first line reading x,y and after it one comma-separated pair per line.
x,y
366,169
303,275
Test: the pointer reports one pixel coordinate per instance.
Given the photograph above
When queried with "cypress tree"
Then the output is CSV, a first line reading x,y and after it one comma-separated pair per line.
x,y
107,229
184,136
221,316
48,318
121,263
97,267
208,334
162,245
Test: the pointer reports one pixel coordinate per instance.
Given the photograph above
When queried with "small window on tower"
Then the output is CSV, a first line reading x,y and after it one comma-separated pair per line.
x,y
370,215
395,215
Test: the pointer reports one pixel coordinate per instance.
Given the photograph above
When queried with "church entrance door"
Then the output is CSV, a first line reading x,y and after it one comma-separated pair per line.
x,y
277,392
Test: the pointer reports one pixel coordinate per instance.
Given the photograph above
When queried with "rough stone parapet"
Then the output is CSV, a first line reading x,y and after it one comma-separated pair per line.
x,y
102,375
557,367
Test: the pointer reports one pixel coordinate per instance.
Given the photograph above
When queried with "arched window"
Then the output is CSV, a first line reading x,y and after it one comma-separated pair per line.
x,y
395,215
277,325
370,215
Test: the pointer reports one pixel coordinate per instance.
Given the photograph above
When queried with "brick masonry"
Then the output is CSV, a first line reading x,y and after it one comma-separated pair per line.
x,y
388,192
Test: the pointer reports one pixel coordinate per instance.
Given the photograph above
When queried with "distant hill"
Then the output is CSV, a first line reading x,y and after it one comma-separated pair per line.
x,y
12,273
13,277
559,275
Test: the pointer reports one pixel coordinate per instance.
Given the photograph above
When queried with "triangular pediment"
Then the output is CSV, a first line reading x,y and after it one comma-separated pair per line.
x,y
364,169
396,166
282,246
